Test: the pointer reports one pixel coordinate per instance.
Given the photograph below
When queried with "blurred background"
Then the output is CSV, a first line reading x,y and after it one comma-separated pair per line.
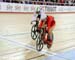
x,y
43,2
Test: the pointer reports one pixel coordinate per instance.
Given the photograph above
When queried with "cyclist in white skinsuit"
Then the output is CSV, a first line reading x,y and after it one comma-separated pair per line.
x,y
38,15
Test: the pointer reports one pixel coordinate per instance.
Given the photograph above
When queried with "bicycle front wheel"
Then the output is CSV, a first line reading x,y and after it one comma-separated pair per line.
x,y
34,32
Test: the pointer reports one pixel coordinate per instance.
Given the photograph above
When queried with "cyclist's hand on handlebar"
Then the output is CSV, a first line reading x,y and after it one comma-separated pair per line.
x,y
44,26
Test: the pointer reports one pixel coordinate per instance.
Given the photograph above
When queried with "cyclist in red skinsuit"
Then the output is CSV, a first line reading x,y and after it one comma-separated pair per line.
x,y
50,23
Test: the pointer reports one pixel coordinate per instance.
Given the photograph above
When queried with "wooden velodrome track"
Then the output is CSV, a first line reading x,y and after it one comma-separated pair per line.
x,y
16,42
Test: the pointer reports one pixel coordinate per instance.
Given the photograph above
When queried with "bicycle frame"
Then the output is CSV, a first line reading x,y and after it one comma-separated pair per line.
x,y
44,35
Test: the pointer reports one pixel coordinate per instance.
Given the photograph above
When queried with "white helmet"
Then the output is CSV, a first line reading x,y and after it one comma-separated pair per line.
x,y
38,9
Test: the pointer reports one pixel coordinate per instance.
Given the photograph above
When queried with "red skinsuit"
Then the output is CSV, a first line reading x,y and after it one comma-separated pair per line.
x,y
50,22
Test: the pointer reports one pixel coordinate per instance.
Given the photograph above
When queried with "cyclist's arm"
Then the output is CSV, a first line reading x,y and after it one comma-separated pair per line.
x,y
44,24
36,20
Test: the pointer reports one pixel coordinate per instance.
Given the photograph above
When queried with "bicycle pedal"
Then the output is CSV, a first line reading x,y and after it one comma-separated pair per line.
x,y
48,42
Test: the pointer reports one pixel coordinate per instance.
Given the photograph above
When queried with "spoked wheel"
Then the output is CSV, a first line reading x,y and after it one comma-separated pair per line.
x,y
39,44
34,32
49,46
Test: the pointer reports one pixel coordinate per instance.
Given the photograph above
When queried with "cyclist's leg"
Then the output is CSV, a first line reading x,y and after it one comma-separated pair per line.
x,y
50,38
50,29
37,22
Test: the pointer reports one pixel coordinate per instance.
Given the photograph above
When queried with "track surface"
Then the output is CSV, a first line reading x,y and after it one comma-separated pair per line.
x,y
16,42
